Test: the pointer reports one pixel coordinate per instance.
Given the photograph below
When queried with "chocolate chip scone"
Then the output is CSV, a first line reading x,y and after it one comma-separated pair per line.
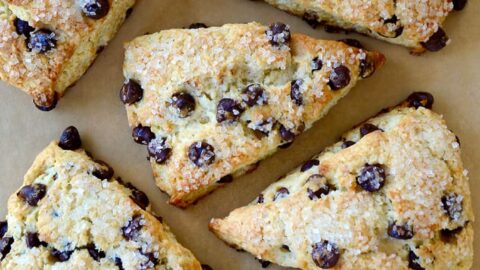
x,y
212,102
71,213
411,23
393,194
47,45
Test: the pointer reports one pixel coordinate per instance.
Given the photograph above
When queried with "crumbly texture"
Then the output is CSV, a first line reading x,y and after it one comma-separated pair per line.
x,y
80,210
221,62
403,22
421,160
45,76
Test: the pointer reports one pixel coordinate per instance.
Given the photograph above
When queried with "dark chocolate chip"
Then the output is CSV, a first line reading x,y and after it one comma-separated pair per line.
x,y
119,263
159,150
452,204
295,92
32,240
197,25
201,154
263,263
3,228
261,198
449,236
309,164
459,4
368,128
413,261
206,267
41,41
5,246
325,254
339,78
400,231
140,198
254,94
103,173
278,34
317,194
286,135
317,64
334,29
367,67
94,252
311,18
131,92
48,105
286,248
228,110
371,177
262,128
61,256
70,139
32,194
159,218
281,193
96,9
352,42
142,135
420,99
184,104
151,262
133,227
347,144
437,41
226,179
396,25
22,27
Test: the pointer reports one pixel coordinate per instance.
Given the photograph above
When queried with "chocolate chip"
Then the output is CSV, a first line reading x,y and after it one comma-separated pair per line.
x,y
420,99
393,23
339,78
3,228
286,135
151,262
449,236
118,263
22,27
400,231
309,164
206,267
159,218
317,194
295,93
184,104
228,110
352,42
48,105
103,173
201,154
94,252
367,67
368,128
278,34
261,198
413,262
5,246
334,29
131,92
32,240
226,179
142,135
133,227
70,139
452,204
347,144
263,263
317,64
254,94
262,128
437,41
371,177
61,256
41,41
197,25
311,18
159,150
95,9
286,248
459,4
140,198
281,193
32,193
325,254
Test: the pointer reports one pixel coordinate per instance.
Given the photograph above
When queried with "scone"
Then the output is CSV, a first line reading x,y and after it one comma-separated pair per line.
x,y
210,103
392,194
71,213
411,23
47,45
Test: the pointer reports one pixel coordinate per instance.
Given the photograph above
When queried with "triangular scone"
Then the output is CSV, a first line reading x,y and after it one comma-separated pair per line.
x,y
210,103
71,214
393,194
47,45
411,23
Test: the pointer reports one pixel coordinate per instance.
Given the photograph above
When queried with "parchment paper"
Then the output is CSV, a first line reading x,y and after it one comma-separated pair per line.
x,y
93,106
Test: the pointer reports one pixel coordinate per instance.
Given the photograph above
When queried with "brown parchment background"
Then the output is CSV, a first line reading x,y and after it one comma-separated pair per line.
x,y
93,106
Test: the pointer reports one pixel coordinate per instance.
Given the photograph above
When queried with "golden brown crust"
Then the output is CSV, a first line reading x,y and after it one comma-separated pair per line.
x,y
216,63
